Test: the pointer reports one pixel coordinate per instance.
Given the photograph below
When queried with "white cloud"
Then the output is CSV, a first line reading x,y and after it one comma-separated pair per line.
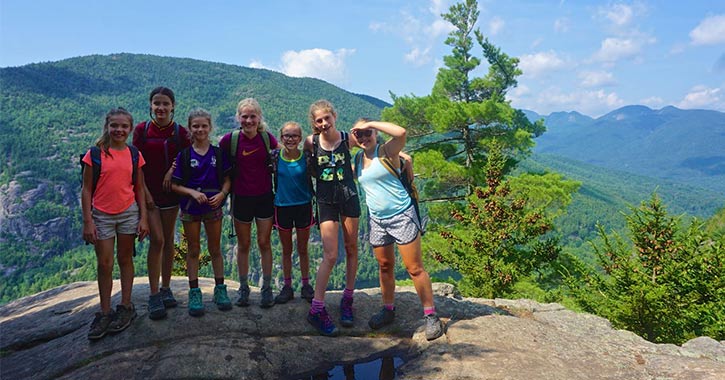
x,y
615,49
618,14
553,99
418,57
702,97
317,63
256,64
596,78
653,102
535,65
495,26
561,25
710,31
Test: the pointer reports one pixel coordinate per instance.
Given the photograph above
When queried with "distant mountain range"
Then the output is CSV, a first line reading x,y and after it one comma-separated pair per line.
x,y
686,146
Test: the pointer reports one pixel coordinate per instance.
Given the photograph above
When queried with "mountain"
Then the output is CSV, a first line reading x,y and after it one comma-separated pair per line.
x,y
680,145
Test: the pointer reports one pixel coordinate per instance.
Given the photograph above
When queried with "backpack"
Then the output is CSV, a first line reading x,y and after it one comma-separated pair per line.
x,y
176,137
96,161
186,165
406,178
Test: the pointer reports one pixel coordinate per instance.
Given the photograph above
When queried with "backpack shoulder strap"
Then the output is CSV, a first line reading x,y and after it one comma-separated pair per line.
x,y
358,163
219,165
177,135
96,163
233,144
134,163
265,138
185,165
145,132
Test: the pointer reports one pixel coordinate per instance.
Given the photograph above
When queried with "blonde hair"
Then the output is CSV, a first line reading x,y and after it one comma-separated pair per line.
x,y
104,142
254,105
320,105
199,112
293,124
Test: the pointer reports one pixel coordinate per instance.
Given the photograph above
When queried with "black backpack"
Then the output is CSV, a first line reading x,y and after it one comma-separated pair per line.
x,y
96,161
186,165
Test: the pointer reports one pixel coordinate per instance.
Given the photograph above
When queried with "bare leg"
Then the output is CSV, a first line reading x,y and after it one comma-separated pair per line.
x,y
168,222
386,262
303,238
213,240
192,231
156,245
264,231
328,231
244,236
124,254
349,229
413,260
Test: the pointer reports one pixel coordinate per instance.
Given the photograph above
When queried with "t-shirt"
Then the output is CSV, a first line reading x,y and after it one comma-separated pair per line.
x,y
203,177
385,195
114,190
159,150
252,176
293,184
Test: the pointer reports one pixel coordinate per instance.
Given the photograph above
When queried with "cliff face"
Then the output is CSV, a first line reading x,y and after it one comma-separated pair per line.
x,y
44,336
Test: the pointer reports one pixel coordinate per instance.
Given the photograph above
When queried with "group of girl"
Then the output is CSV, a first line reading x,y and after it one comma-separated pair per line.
x,y
181,173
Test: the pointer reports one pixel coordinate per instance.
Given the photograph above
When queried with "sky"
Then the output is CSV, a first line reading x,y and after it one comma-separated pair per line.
x,y
586,56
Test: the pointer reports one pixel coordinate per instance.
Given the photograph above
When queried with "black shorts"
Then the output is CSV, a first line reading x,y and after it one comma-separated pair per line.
x,y
247,209
332,211
289,217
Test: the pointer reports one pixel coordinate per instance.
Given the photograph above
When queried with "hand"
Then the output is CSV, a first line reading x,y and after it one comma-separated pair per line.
x,y
217,200
166,184
143,229
89,232
199,197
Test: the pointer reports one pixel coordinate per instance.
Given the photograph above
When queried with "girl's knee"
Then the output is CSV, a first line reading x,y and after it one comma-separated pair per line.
x,y
416,271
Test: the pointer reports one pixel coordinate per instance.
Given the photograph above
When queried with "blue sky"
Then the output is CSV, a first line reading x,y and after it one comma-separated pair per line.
x,y
586,56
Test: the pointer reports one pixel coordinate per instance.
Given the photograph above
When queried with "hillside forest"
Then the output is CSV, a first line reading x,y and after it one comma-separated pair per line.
x,y
643,248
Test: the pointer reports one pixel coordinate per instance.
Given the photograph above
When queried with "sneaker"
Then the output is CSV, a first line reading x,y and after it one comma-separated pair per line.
x,y
346,318
221,299
156,307
286,294
267,298
124,317
243,294
307,292
323,323
382,318
433,327
196,306
99,326
168,297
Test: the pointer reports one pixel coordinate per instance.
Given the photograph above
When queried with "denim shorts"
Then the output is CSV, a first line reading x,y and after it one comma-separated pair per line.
x,y
110,225
400,229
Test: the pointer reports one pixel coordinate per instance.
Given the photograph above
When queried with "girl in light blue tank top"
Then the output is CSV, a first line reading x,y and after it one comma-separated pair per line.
x,y
393,220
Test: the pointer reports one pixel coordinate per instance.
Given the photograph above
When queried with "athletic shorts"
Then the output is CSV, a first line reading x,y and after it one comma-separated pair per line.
x,y
208,217
289,217
333,211
400,229
247,209
110,225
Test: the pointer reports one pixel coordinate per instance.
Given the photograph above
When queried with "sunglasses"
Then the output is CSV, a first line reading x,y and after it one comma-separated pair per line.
x,y
363,133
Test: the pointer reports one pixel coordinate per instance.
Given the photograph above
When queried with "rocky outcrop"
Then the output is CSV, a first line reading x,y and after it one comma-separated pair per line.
x,y
44,336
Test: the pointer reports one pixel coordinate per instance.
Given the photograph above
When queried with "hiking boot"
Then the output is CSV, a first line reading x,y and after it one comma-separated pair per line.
x,y
243,294
346,318
433,326
267,298
124,317
196,306
382,318
99,326
323,323
168,298
307,292
156,307
286,294
221,299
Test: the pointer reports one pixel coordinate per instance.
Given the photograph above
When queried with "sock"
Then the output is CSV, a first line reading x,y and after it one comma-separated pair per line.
x,y
305,281
194,283
389,306
288,281
243,281
317,306
218,280
429,310
347,293
266,281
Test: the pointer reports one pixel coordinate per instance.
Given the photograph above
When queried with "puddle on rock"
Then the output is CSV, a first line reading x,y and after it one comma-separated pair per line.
x,y
383,368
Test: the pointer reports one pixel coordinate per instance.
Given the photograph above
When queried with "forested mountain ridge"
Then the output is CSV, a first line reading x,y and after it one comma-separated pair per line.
x,y
679,145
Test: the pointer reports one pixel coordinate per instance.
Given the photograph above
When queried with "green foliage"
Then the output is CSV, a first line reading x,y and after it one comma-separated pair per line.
x,y
45,210
496,238
181,250
666,284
